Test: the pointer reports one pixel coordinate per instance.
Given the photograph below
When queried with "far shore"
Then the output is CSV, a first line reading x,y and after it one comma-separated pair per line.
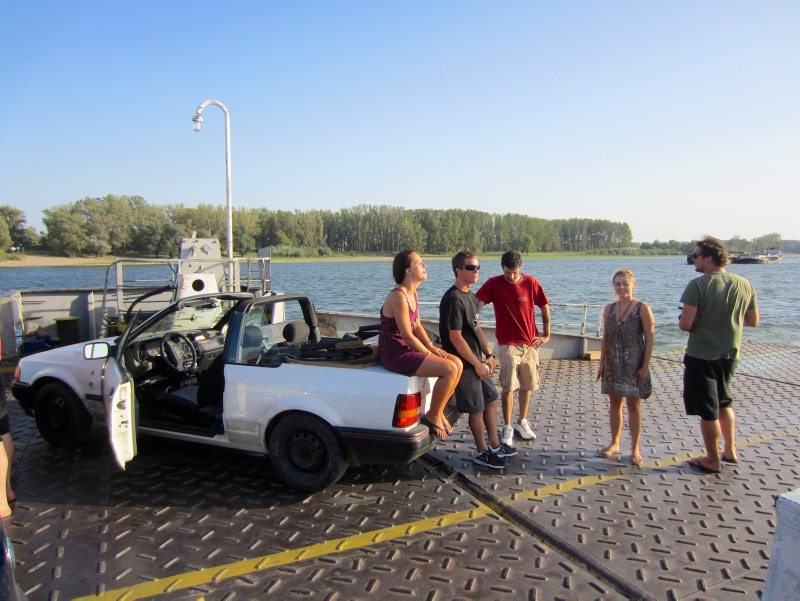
x,y
42,260
37,260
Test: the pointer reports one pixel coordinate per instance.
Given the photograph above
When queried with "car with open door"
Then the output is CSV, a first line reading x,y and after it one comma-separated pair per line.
x,y
239,371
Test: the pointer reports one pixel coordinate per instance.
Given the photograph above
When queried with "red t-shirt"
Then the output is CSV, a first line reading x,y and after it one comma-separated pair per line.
x,y
513,307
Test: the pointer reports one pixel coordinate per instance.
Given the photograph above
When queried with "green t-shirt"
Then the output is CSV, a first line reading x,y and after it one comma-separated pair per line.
x,y
721,299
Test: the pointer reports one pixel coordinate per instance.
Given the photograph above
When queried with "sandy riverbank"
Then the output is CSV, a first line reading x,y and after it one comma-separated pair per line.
x,y
52,261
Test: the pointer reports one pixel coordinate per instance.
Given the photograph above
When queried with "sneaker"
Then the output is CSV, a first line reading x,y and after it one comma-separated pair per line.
x,y
525,430
488,459
504,451
506,435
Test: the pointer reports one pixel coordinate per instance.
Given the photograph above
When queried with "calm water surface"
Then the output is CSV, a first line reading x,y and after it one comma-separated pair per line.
x,y
360,286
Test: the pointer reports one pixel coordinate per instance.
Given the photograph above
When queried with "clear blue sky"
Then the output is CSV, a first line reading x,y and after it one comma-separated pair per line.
x,y
680,118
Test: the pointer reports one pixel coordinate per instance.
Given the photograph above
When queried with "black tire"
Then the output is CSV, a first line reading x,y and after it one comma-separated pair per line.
x,y
306,453
60,417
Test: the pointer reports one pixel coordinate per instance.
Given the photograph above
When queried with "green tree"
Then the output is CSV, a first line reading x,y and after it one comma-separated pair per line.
x,y
768,241
5,235
150,231
65,231
21,235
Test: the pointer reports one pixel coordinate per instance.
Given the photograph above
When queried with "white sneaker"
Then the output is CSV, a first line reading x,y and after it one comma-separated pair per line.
x,y
525,430
507,435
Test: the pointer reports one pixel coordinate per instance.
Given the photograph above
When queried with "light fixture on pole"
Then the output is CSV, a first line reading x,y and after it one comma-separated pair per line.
x,y
198,122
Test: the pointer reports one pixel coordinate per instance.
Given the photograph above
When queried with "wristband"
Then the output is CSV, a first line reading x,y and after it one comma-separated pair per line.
x,y
490,356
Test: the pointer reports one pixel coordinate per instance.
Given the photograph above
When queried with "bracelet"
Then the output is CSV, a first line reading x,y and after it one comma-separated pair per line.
x,y
490,356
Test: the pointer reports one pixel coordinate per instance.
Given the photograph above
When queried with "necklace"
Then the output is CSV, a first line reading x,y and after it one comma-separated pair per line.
x,y
621,318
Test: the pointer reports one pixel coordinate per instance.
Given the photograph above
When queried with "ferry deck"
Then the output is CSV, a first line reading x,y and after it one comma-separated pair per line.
x,y
560,522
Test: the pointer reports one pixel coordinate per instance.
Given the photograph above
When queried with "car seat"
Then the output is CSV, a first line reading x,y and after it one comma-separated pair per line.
x,y
251,344
296,332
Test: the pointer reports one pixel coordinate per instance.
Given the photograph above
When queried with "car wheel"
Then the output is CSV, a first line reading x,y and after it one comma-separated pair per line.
x,y
60,417
306,453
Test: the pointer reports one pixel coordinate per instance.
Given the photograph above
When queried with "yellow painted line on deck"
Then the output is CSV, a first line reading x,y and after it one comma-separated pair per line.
x,y
234,569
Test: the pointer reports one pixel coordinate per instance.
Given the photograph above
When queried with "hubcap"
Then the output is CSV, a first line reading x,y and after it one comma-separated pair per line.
x,y
306,452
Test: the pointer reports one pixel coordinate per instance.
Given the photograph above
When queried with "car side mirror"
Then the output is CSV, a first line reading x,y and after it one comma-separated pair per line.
x,y
96,350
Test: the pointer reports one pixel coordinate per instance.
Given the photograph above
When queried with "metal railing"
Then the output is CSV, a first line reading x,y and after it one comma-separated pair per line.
x,y
583,314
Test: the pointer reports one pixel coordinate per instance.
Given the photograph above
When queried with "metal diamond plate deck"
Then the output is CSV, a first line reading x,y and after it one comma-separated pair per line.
x,y
559,522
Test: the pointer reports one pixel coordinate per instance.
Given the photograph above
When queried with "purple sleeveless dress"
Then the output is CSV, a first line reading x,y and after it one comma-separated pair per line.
x,y
395,354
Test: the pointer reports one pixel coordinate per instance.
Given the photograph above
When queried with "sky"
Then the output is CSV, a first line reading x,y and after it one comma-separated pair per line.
x,y
679,118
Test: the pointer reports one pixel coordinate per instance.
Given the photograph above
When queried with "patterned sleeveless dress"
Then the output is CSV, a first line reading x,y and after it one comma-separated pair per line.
x,y
395,354
623,354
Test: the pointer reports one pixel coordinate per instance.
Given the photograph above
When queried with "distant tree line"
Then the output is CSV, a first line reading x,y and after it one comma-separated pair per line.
x,y
128,225
124,225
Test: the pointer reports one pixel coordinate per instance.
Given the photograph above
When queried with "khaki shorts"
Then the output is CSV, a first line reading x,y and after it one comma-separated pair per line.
x,y
519,367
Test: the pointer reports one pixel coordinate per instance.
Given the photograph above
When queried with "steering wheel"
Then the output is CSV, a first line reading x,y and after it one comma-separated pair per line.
x,y
179,352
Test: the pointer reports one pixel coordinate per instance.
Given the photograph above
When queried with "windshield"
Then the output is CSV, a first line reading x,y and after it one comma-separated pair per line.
x,y
194,315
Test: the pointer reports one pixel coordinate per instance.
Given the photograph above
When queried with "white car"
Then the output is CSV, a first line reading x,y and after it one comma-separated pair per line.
x,y
238,371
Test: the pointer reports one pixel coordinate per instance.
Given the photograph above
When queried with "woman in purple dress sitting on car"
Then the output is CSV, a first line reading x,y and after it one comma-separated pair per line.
x,y
404,345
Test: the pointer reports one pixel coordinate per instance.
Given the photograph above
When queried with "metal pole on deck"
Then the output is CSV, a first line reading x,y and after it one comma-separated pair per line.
x,y
198,122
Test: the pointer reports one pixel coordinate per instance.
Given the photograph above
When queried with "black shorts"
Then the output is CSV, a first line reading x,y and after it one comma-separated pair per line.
x,y
706,386
472,393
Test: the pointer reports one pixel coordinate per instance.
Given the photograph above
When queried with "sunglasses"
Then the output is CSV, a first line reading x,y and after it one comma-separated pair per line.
x,y
471,267
695,255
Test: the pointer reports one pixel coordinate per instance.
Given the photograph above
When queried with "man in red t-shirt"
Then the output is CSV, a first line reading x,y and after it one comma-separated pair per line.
x,y
514,296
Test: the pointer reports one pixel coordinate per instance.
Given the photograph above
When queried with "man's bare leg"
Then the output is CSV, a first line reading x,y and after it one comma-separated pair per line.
x,y
727,422
524,403
507,398
710,429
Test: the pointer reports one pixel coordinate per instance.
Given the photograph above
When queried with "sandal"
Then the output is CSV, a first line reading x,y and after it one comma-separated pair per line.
x,y
437,431
637,460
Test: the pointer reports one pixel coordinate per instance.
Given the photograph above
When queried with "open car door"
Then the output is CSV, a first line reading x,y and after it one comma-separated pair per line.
x,y
120,402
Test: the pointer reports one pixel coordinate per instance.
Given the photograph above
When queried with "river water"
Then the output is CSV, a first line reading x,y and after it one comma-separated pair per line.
x,y
360,286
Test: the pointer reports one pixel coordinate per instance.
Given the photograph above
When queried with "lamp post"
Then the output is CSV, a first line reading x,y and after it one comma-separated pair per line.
x,y
198,122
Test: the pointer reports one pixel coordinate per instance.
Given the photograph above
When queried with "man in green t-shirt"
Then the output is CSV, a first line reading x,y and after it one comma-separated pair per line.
x,y
715,308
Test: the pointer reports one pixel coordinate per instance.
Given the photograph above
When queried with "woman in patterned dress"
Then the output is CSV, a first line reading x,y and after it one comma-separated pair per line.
x,y
624,361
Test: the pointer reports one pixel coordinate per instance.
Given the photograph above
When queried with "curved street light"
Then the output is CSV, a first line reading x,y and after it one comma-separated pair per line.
x,y
198,122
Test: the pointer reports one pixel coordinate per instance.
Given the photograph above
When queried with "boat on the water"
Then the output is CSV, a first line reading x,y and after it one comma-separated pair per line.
x,y
769,255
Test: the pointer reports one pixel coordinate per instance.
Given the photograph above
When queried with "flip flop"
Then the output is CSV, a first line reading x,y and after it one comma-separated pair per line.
x,y
730,459
437,431
637,460
605,452
695,463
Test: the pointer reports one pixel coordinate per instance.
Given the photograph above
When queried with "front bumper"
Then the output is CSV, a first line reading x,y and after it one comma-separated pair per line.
x,y
21,392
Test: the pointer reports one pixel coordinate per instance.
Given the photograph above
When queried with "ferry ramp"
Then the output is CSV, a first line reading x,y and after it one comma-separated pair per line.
x,y
560,522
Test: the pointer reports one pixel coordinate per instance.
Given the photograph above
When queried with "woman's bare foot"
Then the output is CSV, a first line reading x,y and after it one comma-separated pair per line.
x,y
612,449
447,427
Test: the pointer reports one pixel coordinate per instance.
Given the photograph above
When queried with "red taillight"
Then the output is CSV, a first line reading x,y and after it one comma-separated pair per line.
x,y
406,410
17,372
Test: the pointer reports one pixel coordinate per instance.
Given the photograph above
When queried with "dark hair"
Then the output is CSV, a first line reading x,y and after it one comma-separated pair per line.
x,y
460,256
511,259
714,248
402,261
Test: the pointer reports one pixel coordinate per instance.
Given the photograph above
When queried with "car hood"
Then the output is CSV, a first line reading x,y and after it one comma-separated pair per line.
x,y
61,353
